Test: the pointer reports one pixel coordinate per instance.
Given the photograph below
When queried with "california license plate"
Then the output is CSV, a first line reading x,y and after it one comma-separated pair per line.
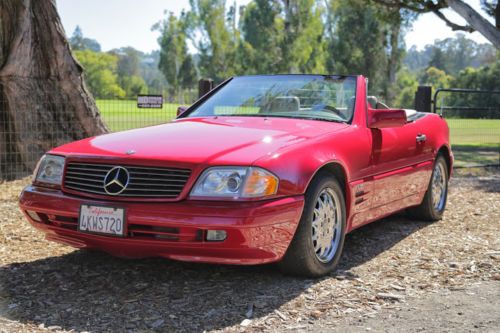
x,y
102,220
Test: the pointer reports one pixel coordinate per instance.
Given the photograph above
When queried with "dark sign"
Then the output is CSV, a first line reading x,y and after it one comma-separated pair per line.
x,y
150,101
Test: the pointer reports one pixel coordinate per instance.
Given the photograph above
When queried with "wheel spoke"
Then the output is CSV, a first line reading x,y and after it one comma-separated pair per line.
x,y
326,225
438,186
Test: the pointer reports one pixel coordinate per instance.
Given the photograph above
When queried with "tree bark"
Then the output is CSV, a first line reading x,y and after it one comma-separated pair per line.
x,y
394,58
475,20
43,98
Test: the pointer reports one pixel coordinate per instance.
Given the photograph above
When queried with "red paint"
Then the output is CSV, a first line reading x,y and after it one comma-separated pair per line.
x,y
386,118
386,170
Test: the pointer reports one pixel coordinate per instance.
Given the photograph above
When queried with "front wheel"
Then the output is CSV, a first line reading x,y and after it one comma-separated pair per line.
x,y
318,242
434,203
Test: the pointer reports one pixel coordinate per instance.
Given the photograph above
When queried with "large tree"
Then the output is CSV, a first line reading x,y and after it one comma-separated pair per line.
x,y
175,62
475,21
43,98
303,47
216,38
358,43
262,29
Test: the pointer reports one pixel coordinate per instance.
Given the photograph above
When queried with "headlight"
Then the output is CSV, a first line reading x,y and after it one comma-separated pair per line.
x,y
235,182
49,170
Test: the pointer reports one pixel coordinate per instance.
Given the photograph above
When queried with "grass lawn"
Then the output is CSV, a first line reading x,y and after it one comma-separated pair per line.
x,y
474,141
121,115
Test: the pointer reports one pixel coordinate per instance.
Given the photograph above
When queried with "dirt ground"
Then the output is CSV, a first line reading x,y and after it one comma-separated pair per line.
x,y
396,275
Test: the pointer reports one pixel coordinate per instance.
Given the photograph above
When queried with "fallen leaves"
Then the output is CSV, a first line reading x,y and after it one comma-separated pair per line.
x,y
45,286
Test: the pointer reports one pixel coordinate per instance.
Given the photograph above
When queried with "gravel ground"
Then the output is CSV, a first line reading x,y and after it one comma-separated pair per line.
x,y
395,274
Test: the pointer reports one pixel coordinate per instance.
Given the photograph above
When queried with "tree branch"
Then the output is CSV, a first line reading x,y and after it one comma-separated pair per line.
x,y
415,6
453,26
400,4
475,20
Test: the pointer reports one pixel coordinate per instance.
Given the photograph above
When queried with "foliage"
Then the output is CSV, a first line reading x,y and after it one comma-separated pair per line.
x,y
175,63
100,73
215,37
128,71
262,29
358,45
283,36
436,78
405,88
303,45
484,78
451,55
79,43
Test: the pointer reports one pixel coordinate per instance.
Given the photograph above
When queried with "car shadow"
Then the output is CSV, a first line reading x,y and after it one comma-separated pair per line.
x,y
93,291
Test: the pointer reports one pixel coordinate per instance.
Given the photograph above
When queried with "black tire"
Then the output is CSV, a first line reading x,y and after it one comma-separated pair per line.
x,y
301,258
428,210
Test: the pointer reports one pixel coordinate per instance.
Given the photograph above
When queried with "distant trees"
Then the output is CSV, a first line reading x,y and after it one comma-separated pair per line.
x,y
215,39
175,63
100,73
282,36
359,43
119,73
79,43
451,55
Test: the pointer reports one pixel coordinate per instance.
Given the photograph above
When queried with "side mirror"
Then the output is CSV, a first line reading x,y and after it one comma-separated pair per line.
x,y
385,118
181,109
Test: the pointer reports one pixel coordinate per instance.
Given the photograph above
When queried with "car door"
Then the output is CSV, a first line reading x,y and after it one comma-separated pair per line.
x,y
400,161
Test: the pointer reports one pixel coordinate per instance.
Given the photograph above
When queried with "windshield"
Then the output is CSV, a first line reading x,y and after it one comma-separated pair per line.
x,y
293,96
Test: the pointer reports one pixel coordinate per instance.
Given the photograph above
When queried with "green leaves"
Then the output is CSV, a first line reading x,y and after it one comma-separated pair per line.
x,y
100,73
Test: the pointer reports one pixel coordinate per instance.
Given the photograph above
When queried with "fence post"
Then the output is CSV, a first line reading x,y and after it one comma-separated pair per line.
x,y
423,99
204,86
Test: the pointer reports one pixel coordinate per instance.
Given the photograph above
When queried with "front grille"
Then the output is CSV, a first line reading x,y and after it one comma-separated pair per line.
x,y
145,182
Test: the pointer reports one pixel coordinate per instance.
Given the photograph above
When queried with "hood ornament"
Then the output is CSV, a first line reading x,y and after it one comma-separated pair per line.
x,y
130,152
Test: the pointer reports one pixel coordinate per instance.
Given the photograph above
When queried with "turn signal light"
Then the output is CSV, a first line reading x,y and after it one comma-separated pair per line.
x,y
260,183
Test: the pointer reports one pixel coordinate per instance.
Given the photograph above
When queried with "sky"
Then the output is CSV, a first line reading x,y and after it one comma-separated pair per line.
x,y
119,23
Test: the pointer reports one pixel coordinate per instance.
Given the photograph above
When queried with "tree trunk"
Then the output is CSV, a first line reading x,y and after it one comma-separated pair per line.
x,y
497,15
43,98
475,20
394,59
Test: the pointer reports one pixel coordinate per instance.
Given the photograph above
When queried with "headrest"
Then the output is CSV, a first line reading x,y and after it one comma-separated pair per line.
x,y
372,100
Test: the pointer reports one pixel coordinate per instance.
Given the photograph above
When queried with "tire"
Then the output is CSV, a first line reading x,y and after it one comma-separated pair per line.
x,y
432,207
309,254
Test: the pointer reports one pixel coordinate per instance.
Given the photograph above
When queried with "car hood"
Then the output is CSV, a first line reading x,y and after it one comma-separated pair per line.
x,y
213,140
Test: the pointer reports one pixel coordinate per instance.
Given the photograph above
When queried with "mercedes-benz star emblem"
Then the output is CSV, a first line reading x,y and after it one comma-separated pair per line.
x,y
116,180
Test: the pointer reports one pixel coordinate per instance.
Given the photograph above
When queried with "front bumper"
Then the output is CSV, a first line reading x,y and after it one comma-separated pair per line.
x,y
257,232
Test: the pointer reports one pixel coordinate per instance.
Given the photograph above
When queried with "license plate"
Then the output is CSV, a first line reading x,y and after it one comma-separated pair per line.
x,y
102,220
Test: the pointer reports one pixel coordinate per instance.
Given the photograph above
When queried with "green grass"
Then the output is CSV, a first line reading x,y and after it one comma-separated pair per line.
x,y
474,141
121,115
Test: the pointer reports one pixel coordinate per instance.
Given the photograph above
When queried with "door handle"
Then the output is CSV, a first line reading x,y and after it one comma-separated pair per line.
x,y
421,138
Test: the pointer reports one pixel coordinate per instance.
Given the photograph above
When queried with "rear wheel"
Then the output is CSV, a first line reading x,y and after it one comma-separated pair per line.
x,y
318,242
434,203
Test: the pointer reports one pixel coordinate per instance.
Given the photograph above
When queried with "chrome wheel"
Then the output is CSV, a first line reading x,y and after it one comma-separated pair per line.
x,y
439,187
326,225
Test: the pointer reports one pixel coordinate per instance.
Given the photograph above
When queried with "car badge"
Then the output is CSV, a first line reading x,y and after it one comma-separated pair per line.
x,y
116,180
130,152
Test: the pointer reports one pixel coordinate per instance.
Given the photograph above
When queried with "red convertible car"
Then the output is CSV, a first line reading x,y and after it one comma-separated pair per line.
x,y
262,169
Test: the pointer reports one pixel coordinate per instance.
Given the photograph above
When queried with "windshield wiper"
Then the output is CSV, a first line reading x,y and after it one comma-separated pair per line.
x,y
324,119
263,115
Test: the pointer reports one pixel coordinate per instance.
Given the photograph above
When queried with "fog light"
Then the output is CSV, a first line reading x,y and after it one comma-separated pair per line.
x,y
216,235
34,216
